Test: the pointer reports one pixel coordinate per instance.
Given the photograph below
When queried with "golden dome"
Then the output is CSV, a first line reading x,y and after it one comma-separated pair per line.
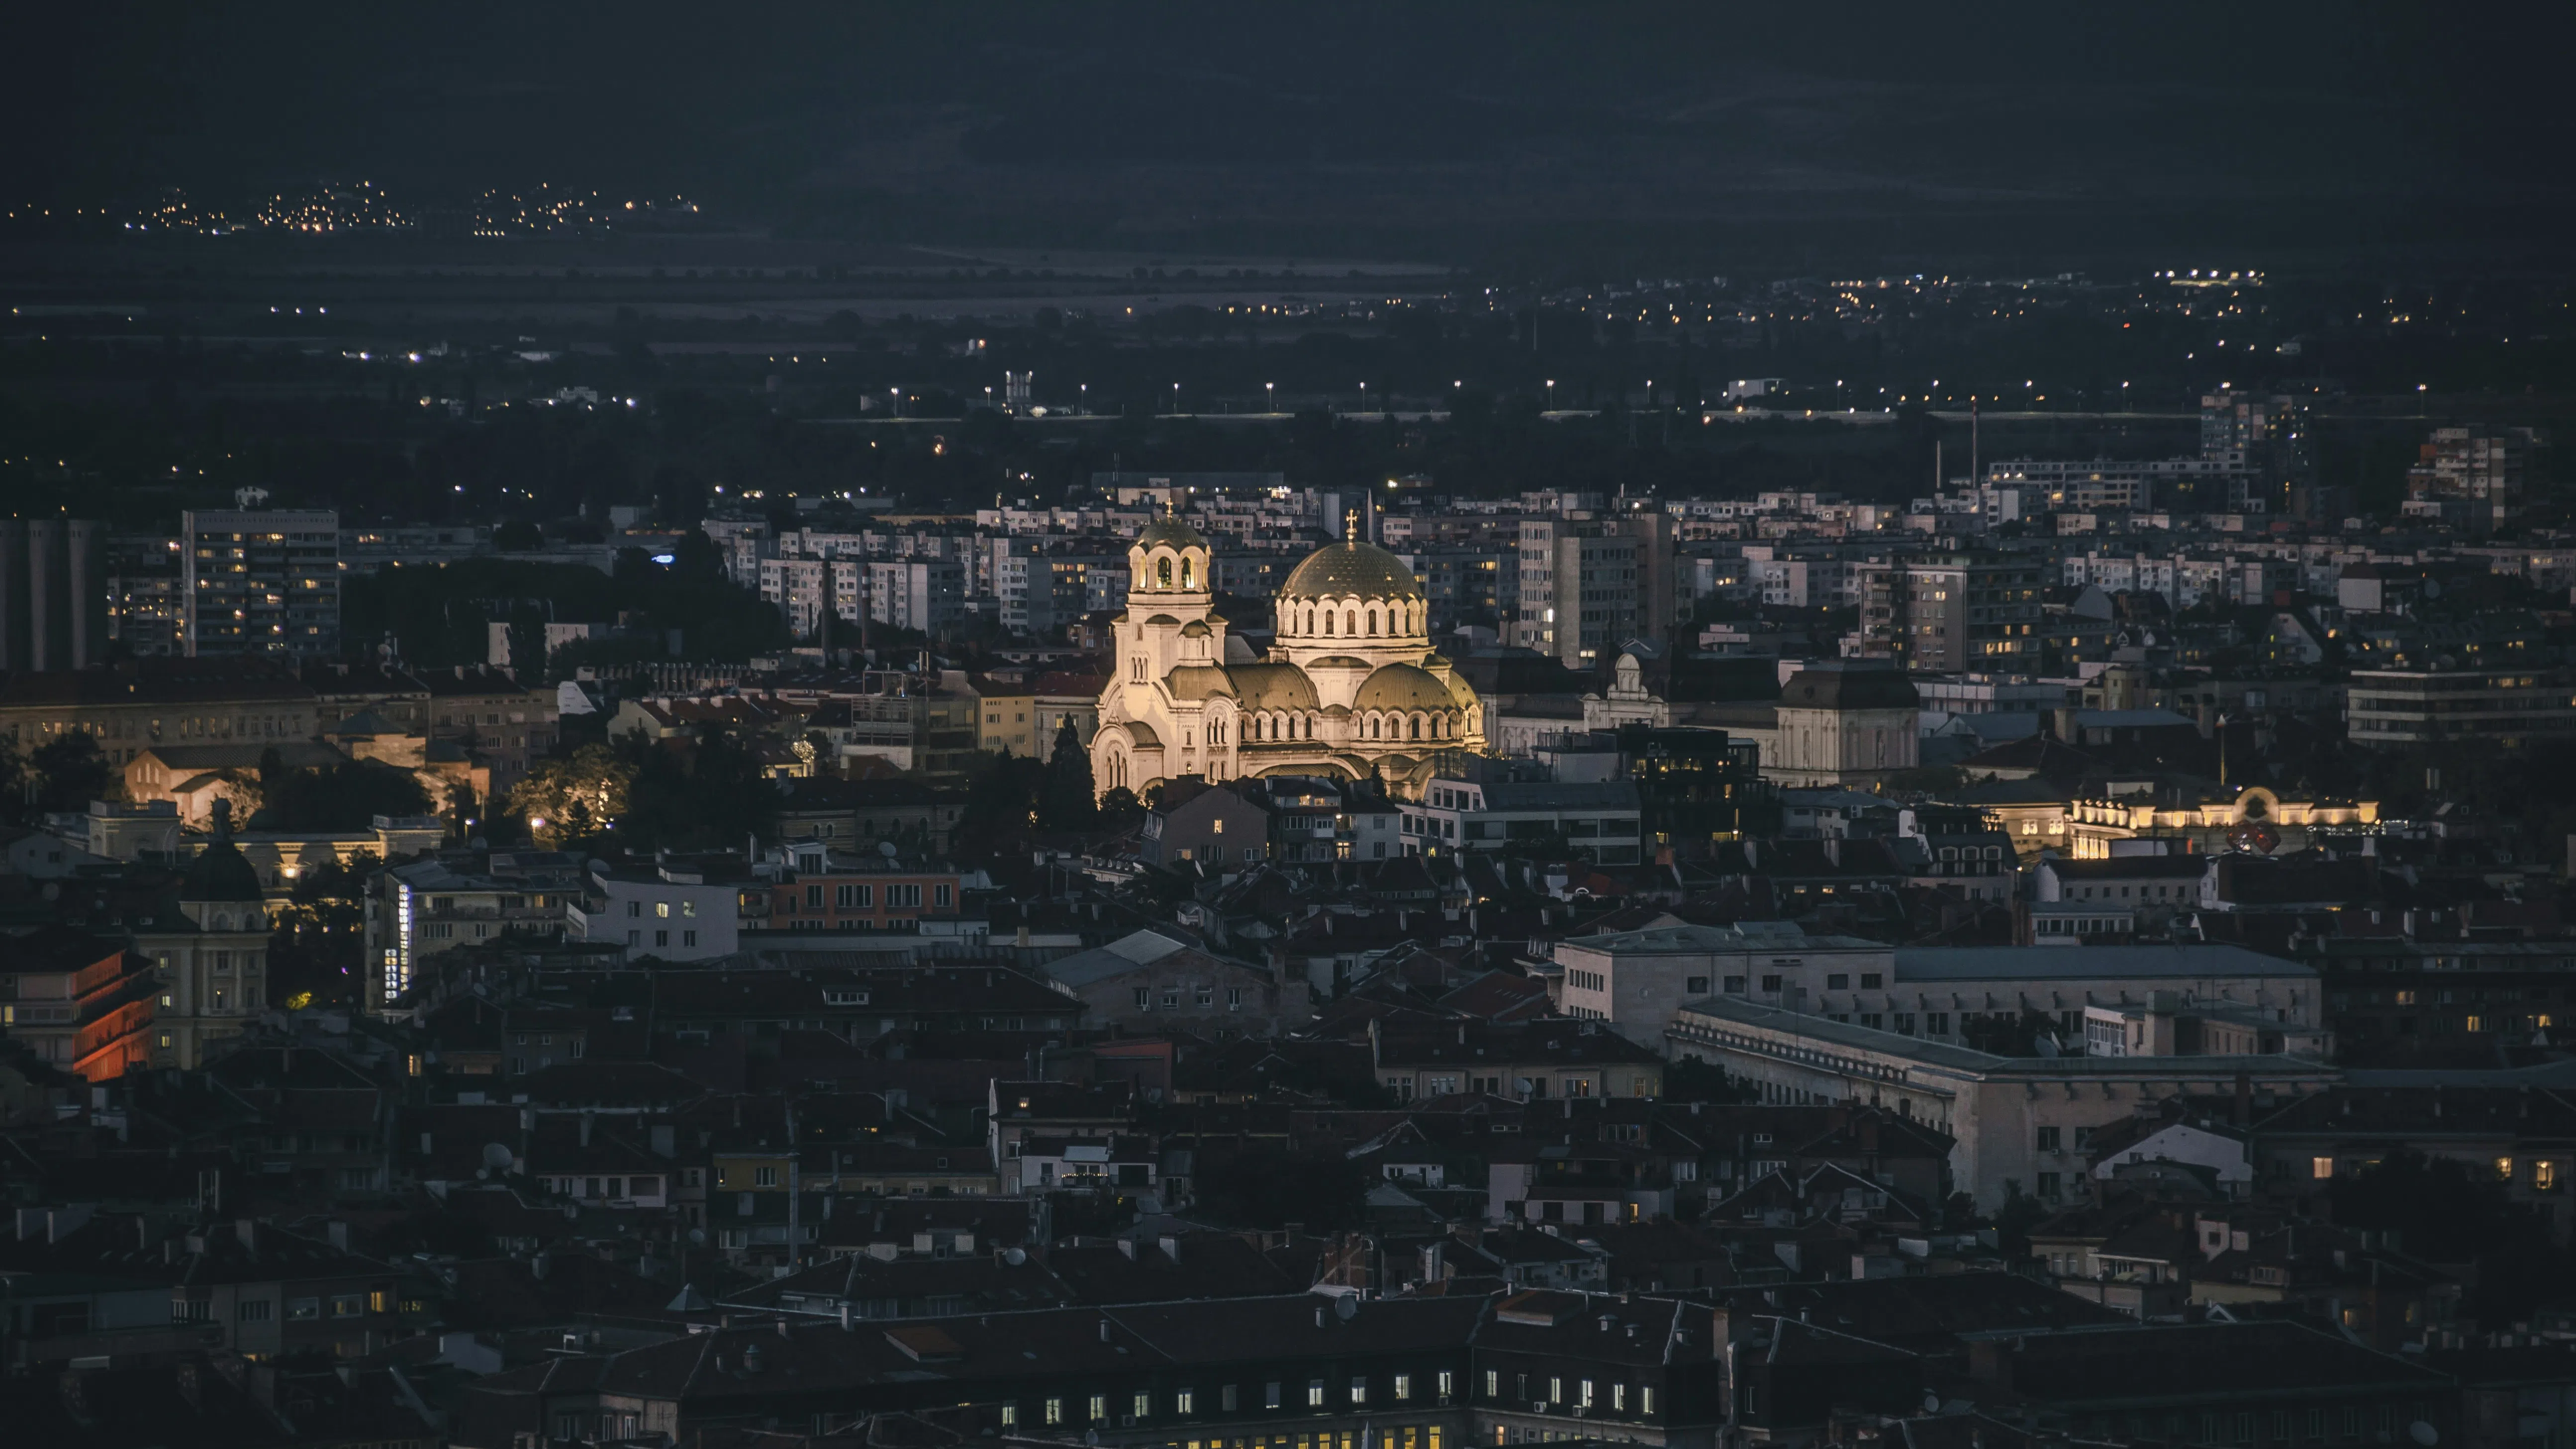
x,y
1351,570
1166,529
1403,687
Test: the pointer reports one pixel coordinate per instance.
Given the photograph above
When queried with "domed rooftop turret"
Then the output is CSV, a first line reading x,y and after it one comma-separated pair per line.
x,y
1170,530
219,873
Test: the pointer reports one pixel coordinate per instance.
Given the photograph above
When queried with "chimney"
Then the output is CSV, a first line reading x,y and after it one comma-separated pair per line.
x,y
585,1129
1104,1330
845,1316
1171,1247
2245,1099
339,1234
1128,1247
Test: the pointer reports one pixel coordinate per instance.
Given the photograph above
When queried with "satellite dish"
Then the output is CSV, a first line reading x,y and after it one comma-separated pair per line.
x,y
496,1156
2424,1434
886,849
1016,1256
1346,1307
698,1237
1931,1403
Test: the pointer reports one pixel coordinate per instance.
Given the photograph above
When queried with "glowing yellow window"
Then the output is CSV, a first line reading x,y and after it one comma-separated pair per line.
x,y
2320,1168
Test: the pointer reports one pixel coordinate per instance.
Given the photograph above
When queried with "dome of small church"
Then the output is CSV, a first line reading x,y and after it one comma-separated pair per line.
x,y
1351,570
219,873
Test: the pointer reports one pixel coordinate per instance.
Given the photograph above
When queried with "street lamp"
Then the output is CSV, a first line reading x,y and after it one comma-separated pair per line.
x,y
1363,400
1551,394
1176,399
1270,397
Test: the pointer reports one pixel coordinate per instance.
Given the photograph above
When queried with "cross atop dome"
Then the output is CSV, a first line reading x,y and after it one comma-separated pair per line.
x,y
1351,525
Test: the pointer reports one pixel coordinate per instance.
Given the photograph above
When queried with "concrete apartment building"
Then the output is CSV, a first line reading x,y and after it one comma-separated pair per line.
x,y
672,910
924,594
259,582
1955,613
1587,587
2513,708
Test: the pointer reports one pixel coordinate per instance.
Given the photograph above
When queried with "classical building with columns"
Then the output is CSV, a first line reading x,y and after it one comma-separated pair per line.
x,y
1351,686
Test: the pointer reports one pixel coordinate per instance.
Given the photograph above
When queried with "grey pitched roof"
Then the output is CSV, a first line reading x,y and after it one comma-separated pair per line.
x,y
2042,963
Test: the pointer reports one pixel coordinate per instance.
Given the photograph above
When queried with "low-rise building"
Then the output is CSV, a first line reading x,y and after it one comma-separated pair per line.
x,y
673,910
1211,825
81,1002
1149,982
2023,1125
1526,1061
426,907
869,891
1600,822
1637,980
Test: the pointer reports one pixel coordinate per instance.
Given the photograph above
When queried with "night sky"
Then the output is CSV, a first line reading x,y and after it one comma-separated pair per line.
x,y
1448,132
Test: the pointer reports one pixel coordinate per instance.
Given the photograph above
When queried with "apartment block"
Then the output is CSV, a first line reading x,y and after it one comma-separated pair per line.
x,y
260,582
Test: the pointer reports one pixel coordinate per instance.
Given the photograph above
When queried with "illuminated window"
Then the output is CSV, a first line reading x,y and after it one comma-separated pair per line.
x,y
2321,1168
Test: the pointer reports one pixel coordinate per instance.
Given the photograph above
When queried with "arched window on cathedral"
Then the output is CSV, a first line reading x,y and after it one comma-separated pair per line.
x,y
1417,727
1352,622
1163,572
1185,573
1372,621
1328,621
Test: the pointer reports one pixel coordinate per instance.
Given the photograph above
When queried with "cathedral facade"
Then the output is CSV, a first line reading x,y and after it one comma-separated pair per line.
x,y
1351,685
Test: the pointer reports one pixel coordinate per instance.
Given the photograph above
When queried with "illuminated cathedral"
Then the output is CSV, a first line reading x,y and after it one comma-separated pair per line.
x,y
1351,685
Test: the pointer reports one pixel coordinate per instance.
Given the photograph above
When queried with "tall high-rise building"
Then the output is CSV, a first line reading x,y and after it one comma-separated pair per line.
x,y
2270,433
263,581
1954,613
1589,586
2473,477
53,593
143,595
